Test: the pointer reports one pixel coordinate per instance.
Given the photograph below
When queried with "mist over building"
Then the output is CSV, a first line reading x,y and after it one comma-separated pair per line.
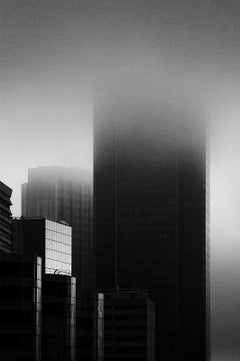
x,y
72,313
64,194
151,215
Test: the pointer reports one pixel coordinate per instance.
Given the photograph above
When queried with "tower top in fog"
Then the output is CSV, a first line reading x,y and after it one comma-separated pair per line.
x,y
151,208
64,193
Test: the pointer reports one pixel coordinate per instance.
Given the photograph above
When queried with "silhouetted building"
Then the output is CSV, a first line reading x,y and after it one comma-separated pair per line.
x,y
45,238
89,324
5,218
20,307
64,194
151,218
59,318
129,326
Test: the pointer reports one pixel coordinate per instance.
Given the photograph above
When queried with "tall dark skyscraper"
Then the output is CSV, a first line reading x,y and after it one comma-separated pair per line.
x,y
64,194
5,219
151,218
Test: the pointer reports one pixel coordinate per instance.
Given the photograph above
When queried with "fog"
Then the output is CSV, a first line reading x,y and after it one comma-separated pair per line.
x,y
57,56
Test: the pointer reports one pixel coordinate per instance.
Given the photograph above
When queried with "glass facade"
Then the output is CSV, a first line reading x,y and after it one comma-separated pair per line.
x,y
20,307
5,219
45,238
58,248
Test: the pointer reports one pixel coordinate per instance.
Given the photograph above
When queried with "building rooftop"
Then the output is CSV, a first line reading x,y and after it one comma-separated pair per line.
x,y
126,292
22,218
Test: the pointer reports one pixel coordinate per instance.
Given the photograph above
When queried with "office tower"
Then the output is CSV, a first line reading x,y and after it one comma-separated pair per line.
x,y
45,238
64,194
5,218
59,318
129,326
151,217
20,307
89,326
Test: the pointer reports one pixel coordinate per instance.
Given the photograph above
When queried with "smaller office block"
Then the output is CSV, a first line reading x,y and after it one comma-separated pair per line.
x,y
59,318
45,238
89,326
129,326
20,307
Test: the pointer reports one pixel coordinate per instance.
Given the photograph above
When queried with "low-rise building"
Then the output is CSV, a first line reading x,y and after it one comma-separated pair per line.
x,y
59,318
20,307
48,239
129,326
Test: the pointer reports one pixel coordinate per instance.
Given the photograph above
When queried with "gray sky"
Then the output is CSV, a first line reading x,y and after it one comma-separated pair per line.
x,y
51,52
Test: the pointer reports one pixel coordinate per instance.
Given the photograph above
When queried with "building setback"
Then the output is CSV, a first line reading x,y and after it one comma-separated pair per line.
x,y
151,218
89,326
64,194
5,218
129,326
59,318
20,307
45,238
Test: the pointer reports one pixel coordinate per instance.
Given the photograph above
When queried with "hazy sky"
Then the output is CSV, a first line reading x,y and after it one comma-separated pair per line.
x,y
52,52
